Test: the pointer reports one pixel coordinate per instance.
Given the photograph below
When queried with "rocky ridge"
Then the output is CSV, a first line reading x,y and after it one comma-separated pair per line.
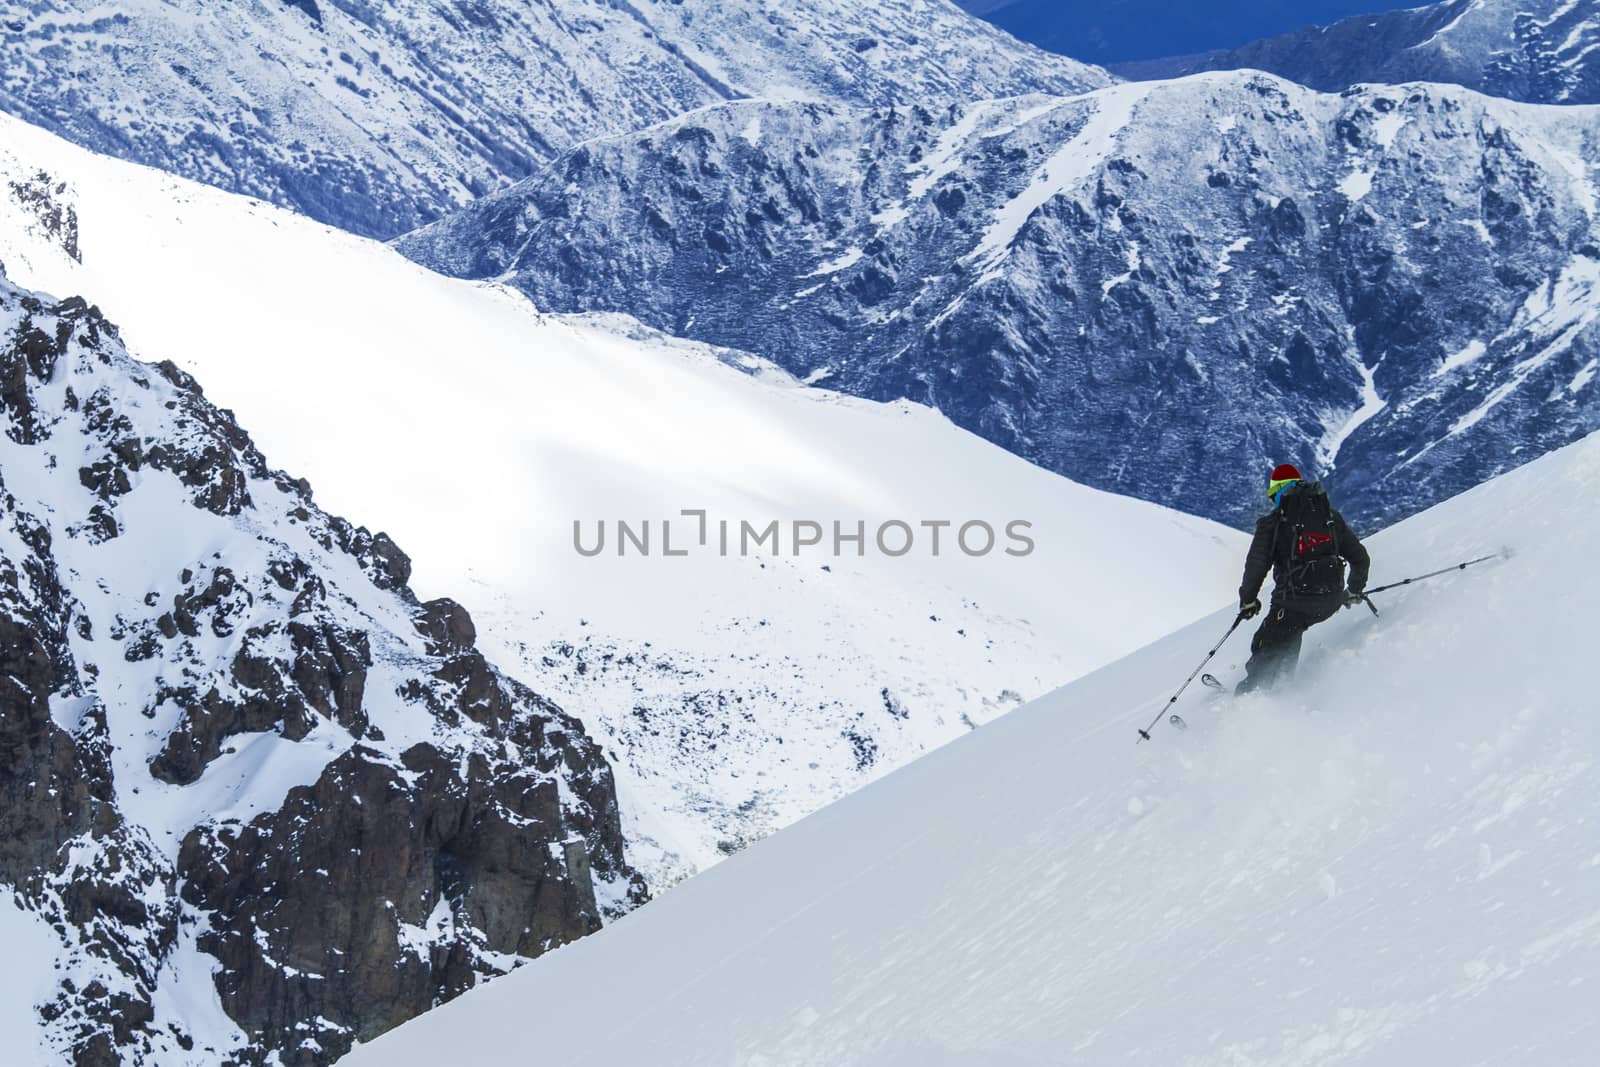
x,y
377,118
268,803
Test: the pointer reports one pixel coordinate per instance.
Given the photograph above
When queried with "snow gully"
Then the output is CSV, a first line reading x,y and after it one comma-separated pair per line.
x,y
795,537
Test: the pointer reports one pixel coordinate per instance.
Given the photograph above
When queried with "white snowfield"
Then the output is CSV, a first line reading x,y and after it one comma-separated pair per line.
x,y
733,695
1397,862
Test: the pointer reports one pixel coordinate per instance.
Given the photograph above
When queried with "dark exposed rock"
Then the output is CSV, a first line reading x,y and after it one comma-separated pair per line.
x,y
32,354
44,799
44,197
343,881
387,566
447,627
330,667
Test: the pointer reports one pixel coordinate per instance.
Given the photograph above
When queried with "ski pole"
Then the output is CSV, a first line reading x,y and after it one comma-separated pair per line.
x,y
1434,574
1144,735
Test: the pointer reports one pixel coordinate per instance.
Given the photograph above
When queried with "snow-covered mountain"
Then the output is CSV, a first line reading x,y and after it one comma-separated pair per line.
x,y
732,695
1539,51
1395,862
1157,288
380,117
257,800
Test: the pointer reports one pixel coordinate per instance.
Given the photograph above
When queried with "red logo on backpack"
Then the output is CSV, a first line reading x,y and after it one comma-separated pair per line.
x,y
1307,543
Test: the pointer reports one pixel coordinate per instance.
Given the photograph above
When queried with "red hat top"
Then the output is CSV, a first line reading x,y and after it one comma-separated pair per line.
x,y
1284,471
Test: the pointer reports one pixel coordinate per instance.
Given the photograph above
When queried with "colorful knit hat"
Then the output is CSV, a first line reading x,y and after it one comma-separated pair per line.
x,y
1283,475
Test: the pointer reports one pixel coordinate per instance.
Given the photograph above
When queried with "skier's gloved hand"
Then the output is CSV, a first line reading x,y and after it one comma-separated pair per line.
x,y
1352,598
1249,609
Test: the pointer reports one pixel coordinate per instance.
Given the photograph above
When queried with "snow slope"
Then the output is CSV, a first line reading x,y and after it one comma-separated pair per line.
x,y
1399,863
732,695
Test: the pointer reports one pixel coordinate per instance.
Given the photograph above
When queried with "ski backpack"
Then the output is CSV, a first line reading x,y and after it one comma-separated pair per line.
x,y
1315,567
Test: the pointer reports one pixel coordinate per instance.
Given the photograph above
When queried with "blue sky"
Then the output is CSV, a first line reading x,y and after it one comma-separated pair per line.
x,y
1112,31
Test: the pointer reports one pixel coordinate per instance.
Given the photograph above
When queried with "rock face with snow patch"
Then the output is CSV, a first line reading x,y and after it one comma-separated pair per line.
x,y
1538,51
379,118
235,743
1155,289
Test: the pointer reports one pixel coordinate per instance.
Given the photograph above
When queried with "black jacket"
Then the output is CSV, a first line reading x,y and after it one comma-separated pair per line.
x,y
1270,552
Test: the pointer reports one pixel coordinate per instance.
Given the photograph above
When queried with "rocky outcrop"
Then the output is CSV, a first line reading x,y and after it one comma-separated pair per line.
x,y
1158,290
43,197
382,890
230,733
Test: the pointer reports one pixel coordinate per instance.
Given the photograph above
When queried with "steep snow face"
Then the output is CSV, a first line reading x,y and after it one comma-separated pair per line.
x,y
380,117
1395,861
1159,289
1538,51
732,694
257,801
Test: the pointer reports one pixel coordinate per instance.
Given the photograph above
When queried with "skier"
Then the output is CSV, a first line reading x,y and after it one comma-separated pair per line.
x,y
1305,542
